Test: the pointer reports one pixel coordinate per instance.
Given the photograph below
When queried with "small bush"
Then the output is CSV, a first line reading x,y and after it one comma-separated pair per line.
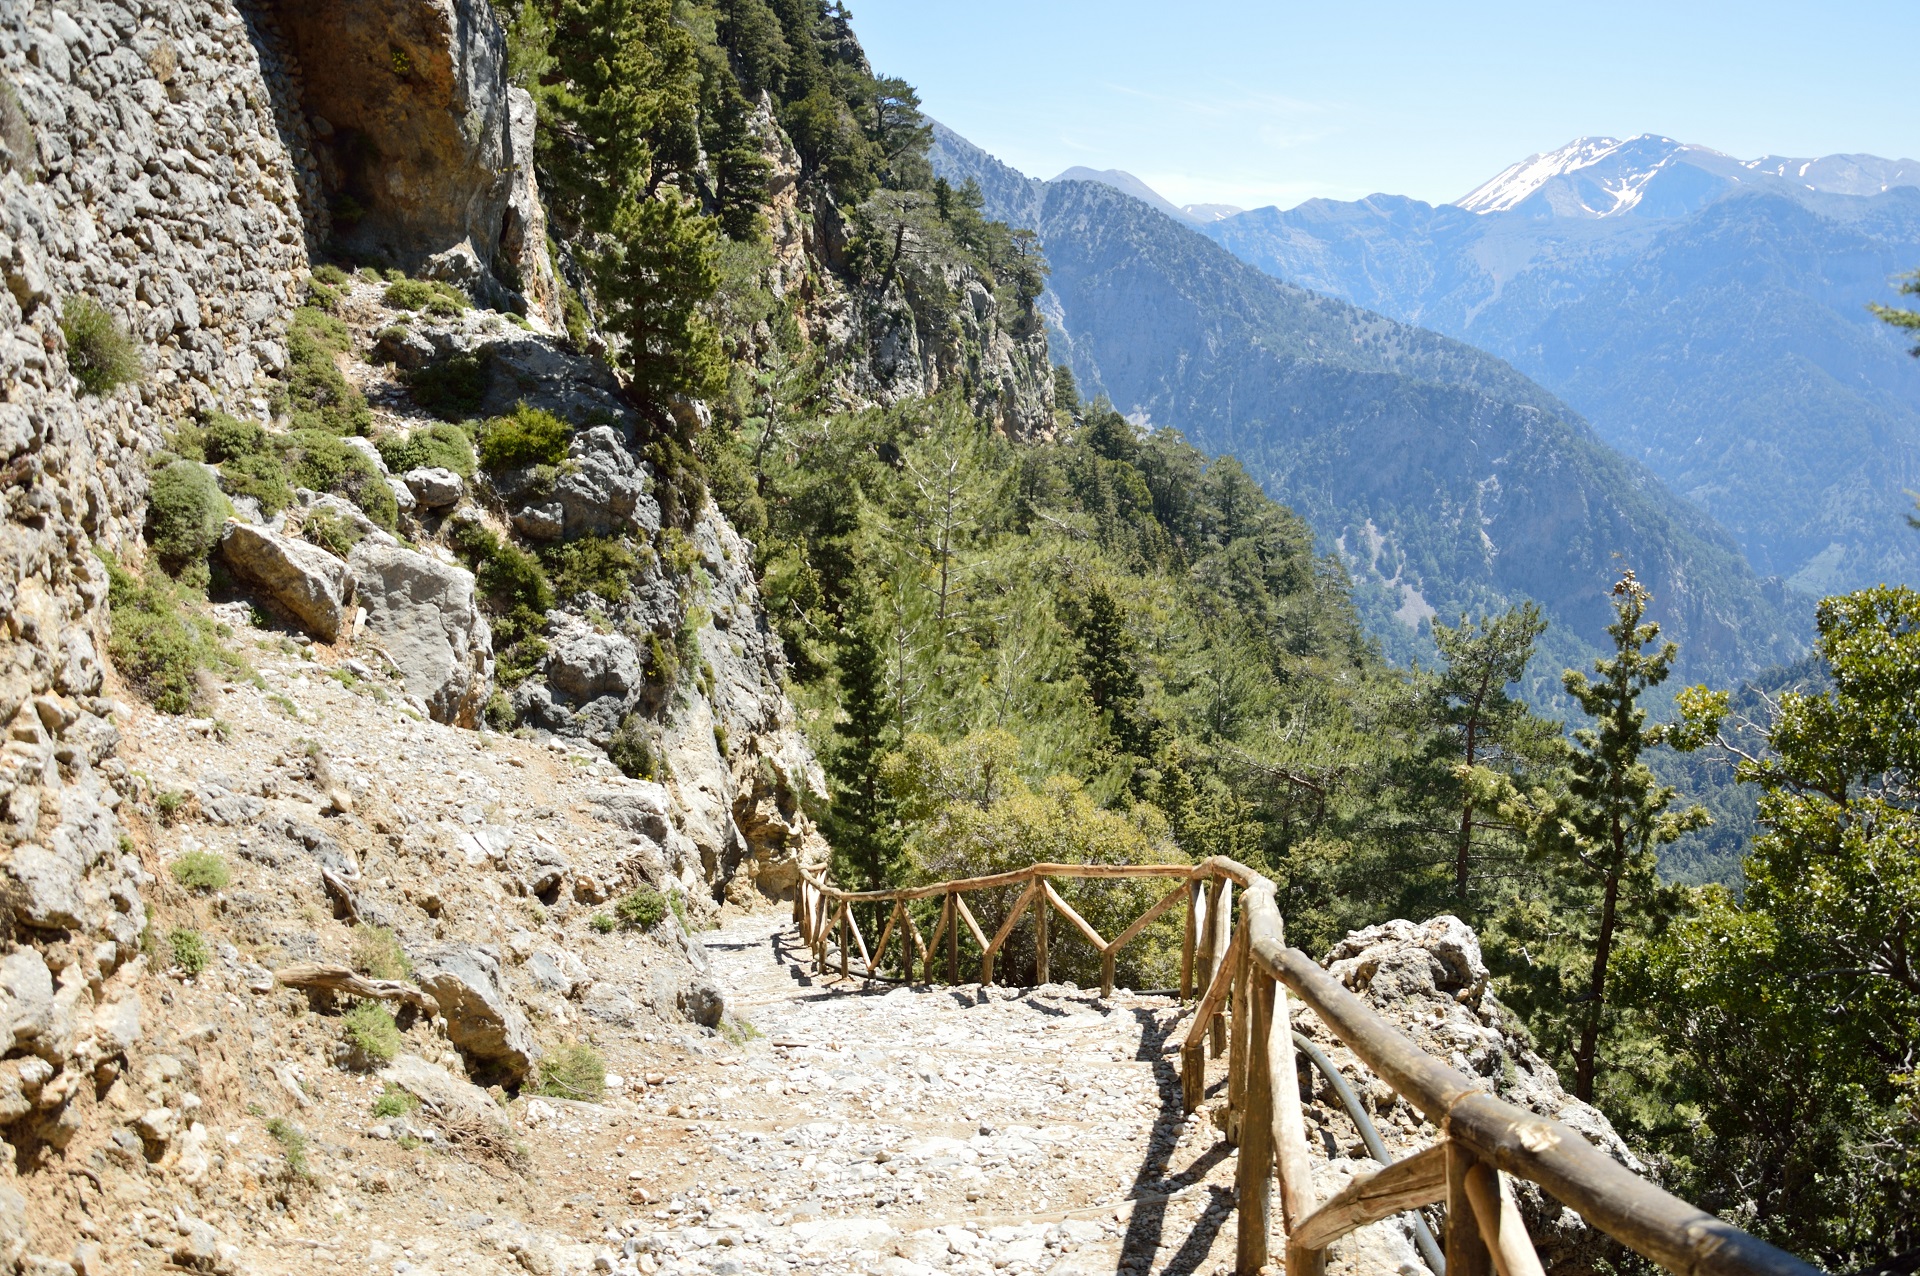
x,y
442,445
517,593
160,642
394,1101
201,871
602,923
371,1030
322,462
408,294
577,1072
168,803
631,749
641,909
225,438
100,352
377,953
189,950
679,553
293,1144
185,512
261,477
530,436
322,295
330,532
599,565
330,274
451,387
318,395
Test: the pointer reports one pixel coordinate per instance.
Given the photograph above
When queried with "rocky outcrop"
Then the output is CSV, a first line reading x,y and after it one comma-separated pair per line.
x,y
1430,980
483,1023
423,616
425,152
305,582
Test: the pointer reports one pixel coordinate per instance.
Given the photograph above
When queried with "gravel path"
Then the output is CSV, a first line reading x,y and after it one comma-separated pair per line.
x,y
870,1128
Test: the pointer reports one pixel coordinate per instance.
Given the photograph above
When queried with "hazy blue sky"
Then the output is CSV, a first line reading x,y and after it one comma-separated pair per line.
x,y
1250,102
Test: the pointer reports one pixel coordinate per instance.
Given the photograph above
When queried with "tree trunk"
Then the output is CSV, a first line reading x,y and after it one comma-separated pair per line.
x,y
1583,1057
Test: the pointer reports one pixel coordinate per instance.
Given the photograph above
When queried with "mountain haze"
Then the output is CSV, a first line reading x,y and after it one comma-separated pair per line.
x,y
1449,481
1706,314
1127,184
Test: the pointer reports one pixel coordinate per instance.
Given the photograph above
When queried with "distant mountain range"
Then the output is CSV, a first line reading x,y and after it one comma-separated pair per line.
x,y
1706,314
1127,183
1449,482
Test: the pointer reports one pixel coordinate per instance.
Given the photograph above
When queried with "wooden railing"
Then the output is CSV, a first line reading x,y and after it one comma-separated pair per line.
x,y
1244,971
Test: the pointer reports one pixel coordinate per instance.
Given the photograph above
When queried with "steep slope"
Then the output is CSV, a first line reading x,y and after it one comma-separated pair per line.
x,y
1449,481
1706,314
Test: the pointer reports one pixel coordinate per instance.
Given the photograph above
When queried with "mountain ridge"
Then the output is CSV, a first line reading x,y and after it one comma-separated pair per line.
x,y
1707,317
1469,485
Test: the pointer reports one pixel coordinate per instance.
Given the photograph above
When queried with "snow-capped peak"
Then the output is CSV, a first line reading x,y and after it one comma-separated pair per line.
x,y
1520,180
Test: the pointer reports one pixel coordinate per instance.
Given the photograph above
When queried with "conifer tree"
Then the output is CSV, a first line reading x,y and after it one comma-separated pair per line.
x,y
860,822
1602,835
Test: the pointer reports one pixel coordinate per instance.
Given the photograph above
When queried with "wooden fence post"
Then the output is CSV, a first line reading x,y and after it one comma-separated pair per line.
x,y
1466,1252
1501,1228
1190,937
1220,922
1254,1173
953,937
1290,1140
1239,1076
1040,910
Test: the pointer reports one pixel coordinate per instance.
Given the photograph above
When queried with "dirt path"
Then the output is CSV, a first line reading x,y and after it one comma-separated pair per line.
x,y
906,1130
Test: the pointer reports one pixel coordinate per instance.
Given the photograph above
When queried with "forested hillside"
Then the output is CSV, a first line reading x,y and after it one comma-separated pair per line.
x,y
1449,483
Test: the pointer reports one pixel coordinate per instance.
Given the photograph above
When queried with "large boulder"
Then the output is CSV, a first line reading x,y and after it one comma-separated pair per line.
x,y
603,489
309,585
435,487
482,1021
424,615
584,665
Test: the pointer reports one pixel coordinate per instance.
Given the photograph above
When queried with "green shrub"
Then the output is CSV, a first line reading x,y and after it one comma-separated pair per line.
x,y
426,294
185,512
318,395
328,273
499,711
201,871
160,641
377,953
603,566
517,593
394,1101
631,749
292,1143
322,462
100,352
322,295
602,923
371,1030
408,294
576,1071
189,950
452,387
641,909
680,554
261,476
330,532
529,436
441,445
225,438
168,803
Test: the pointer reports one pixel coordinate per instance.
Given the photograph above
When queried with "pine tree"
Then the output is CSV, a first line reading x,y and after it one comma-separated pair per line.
x,y
860,822
1487,741
1603,834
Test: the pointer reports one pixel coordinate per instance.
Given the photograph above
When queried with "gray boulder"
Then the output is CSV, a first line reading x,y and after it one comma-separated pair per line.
x,y
424,615
435,487
304,581
26,996
402,495
482,1021
46,888
584,665
603,491
639,806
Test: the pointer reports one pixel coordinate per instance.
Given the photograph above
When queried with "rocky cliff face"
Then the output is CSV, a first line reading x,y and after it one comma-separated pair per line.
x,y
178,164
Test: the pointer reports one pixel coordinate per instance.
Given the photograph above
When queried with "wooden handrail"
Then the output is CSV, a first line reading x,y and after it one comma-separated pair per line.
x,y
1247,967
